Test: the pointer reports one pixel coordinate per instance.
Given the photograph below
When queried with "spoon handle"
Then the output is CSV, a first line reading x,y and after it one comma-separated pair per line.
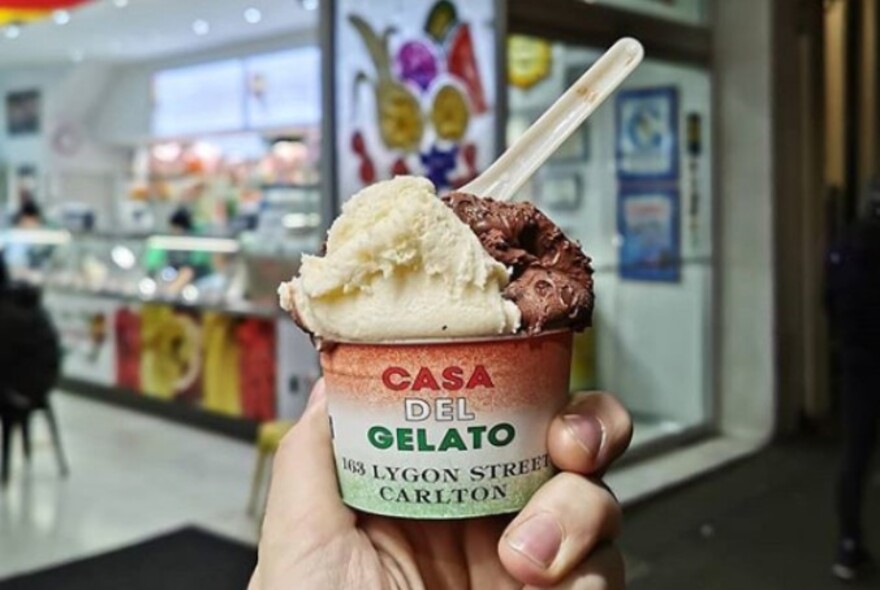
x,y
508,173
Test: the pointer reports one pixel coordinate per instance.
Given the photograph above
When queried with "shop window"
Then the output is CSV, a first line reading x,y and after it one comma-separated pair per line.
x,y
634,187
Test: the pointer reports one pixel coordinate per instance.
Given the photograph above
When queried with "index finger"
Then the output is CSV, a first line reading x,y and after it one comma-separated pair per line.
x,y
304,493
591,432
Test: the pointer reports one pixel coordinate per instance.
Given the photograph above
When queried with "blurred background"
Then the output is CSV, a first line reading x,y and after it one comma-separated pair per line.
x,y
164,164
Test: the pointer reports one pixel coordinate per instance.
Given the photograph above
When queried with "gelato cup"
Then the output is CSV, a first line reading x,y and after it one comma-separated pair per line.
x,y
445,429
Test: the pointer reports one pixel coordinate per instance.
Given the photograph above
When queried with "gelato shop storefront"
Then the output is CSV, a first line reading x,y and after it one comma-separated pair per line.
x,y
181,176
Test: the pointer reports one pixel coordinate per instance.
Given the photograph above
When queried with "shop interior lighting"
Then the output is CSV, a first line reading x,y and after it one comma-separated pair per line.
x,y
120,3
167,152
61,17
289,150
201,27
168,274
301,220
194,244
147,287
123,257
206,151
253,16
38,237
309,4
12,32
190,293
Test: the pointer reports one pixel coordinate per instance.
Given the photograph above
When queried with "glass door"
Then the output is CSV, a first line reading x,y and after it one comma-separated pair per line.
x,y
634,187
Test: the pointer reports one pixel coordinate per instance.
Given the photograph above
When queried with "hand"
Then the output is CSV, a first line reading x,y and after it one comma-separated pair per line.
x,y
312,541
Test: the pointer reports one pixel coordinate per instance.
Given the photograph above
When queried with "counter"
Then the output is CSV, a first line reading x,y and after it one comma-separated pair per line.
x,y
197,337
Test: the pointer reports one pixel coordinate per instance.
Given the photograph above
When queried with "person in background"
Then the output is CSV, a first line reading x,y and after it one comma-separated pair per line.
x,y
30,355
178,268
29,216
19,254
30,352
180,222
853,299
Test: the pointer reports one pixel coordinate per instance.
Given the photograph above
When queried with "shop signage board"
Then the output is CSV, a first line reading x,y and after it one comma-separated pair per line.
x,y
263,91
415,90
203,98
284,88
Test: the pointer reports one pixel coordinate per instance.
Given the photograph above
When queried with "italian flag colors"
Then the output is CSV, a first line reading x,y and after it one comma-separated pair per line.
x,y
23,11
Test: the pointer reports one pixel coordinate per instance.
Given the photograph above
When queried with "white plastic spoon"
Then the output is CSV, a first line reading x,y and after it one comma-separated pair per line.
x,y
515,166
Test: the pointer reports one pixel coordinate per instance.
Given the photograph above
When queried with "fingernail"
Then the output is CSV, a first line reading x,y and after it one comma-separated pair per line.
x,y
587,430
538,538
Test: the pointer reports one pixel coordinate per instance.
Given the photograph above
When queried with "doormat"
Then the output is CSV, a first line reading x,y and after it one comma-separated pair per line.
x,y
182,560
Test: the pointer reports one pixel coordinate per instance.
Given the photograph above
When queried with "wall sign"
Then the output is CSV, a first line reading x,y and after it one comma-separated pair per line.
x,y
415,90
529,60
23,112
649,228
647,134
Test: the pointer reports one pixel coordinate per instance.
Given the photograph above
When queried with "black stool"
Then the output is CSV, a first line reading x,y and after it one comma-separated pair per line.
x,y
17,414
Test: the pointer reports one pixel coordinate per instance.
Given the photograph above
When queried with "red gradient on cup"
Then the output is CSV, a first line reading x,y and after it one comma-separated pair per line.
x,y
493,374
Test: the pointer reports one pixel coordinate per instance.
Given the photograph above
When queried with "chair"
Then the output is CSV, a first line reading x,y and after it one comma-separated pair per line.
x,y
15,412
269,435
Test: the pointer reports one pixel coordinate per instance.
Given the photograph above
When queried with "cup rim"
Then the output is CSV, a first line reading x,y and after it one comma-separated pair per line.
x,y
521,336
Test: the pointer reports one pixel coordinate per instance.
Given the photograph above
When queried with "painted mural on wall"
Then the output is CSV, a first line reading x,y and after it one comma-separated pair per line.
x,y
415,90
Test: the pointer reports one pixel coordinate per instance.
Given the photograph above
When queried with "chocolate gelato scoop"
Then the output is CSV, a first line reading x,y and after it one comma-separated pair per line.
x,y
552,282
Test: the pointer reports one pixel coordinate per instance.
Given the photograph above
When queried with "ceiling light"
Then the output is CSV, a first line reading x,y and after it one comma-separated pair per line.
x,y
12,32
167,152
61,17
120,3
201,27
309,4
253,15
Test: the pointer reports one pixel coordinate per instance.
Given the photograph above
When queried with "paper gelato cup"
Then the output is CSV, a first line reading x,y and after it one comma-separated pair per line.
x,y
445,429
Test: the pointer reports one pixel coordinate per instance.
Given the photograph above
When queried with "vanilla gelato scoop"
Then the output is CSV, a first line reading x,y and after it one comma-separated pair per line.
x,y
400,264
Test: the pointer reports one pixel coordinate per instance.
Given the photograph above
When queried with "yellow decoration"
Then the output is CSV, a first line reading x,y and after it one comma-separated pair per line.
x,y
450,113
528,60
400,117
22,15
170,351
220,377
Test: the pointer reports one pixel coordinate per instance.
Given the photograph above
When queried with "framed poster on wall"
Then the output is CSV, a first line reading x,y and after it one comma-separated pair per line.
x,y
23,112
647,137
415,90
648,220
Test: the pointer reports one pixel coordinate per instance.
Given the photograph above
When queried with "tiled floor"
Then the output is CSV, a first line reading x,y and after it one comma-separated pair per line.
x,y
132,476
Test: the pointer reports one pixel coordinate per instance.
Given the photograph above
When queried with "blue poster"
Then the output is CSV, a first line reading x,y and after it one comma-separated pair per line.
x,y
649,226
647,134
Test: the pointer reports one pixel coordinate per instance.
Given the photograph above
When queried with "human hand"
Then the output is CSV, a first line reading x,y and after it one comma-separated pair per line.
x,y
311,540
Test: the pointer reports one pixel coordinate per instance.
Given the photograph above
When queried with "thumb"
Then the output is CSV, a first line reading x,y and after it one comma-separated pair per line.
x,y
304,493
